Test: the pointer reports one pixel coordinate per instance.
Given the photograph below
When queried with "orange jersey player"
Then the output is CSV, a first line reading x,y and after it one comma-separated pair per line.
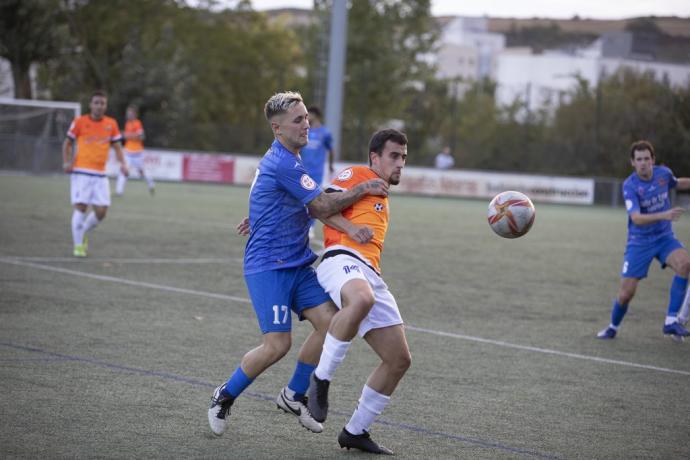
x,y
134,151
371,211
93,135
350,273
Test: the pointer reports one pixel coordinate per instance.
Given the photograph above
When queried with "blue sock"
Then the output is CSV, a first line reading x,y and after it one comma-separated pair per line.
x,y
678,288
618,312
300,379
237,383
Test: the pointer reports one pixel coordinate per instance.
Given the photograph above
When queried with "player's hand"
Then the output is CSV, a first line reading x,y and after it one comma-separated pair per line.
x,y
361,234
124,169
377,187
243,227
67,166
675,213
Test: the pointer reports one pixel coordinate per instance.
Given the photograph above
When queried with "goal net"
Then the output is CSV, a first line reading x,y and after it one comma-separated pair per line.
x,y
32,132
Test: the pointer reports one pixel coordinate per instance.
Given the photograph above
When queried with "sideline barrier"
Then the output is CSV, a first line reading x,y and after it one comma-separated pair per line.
x,y
240,170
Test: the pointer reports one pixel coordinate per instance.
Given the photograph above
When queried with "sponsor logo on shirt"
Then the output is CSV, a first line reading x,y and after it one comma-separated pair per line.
x,y
307,182
345,175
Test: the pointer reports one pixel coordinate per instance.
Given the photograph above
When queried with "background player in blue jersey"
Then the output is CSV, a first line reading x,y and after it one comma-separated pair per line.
x,y
650,235
318,149
277,261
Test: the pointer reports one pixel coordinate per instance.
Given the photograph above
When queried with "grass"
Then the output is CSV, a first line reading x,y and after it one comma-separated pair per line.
x,y
116,355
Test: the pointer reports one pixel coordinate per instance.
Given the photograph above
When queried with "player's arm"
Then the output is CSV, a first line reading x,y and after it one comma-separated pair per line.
x,y
67,159
360,233
683,183
646,219
117,145
327,204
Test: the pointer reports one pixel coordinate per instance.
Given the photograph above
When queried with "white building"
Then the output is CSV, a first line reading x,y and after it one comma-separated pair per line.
x,y
467,50
541,80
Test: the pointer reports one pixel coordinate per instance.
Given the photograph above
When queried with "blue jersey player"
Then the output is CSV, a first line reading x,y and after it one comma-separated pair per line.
x,y
314,154
319,148
650,235
277,261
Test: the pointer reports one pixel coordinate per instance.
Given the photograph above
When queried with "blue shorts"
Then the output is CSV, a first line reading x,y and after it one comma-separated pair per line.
x,y
638,257
275,292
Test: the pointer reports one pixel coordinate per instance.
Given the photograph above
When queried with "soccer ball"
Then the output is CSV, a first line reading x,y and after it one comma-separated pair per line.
x,y
511,214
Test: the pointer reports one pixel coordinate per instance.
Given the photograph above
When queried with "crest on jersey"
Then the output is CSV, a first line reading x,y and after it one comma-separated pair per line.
x,y
307,182
345,175
379,207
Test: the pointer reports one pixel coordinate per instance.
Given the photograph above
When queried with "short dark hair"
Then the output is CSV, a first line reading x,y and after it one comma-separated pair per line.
x,y
315,110
639,146
379,139
99,93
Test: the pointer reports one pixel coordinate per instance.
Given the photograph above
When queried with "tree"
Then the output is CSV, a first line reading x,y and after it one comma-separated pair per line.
x,y
386,42
30,32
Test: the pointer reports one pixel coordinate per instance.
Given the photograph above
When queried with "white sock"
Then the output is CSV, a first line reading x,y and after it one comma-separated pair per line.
x,y
121,181
370,406
91,222
684,312
149,179
78,226
670,320
333,354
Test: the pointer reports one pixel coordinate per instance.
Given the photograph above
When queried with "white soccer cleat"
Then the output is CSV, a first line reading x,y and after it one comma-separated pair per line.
x,y
218,411
299,409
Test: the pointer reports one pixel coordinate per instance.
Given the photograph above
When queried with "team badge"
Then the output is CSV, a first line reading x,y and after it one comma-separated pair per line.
x,y
307,182
345,175
379,207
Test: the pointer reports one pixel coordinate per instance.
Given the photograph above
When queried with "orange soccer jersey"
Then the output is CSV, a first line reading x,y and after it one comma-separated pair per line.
x,y
371,211
134,127
93,139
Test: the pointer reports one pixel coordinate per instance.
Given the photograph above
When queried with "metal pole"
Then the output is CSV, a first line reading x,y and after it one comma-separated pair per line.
x,y
336,72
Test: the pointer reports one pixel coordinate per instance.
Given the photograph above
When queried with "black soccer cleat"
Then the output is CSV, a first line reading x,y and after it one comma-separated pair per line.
x,y
318,398
362,442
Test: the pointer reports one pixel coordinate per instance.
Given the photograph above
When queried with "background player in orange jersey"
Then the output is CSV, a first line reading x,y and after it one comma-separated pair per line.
x,y
134,151
351,275
93,134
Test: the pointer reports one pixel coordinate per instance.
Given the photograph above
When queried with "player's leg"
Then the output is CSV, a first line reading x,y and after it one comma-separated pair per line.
x,y
149,180
270,293
78,218
308,292
80,196
343,278
120,184
679,261
99,198
636,263
391,346
273,347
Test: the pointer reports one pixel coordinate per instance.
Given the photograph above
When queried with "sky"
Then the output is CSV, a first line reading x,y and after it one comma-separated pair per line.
x,y
556,9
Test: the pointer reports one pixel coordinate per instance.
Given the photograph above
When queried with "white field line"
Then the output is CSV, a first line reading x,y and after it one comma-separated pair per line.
x,y
408,327
113,279
185,261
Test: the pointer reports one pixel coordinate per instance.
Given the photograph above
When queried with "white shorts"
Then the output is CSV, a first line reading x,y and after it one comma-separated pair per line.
x,y
334,272
87,189
135,160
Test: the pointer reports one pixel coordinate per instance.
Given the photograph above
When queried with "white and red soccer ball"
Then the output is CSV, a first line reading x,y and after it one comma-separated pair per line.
x,y
511,214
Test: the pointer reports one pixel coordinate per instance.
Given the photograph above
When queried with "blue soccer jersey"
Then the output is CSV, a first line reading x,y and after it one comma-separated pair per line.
x,y
314,153
278,216
647,197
